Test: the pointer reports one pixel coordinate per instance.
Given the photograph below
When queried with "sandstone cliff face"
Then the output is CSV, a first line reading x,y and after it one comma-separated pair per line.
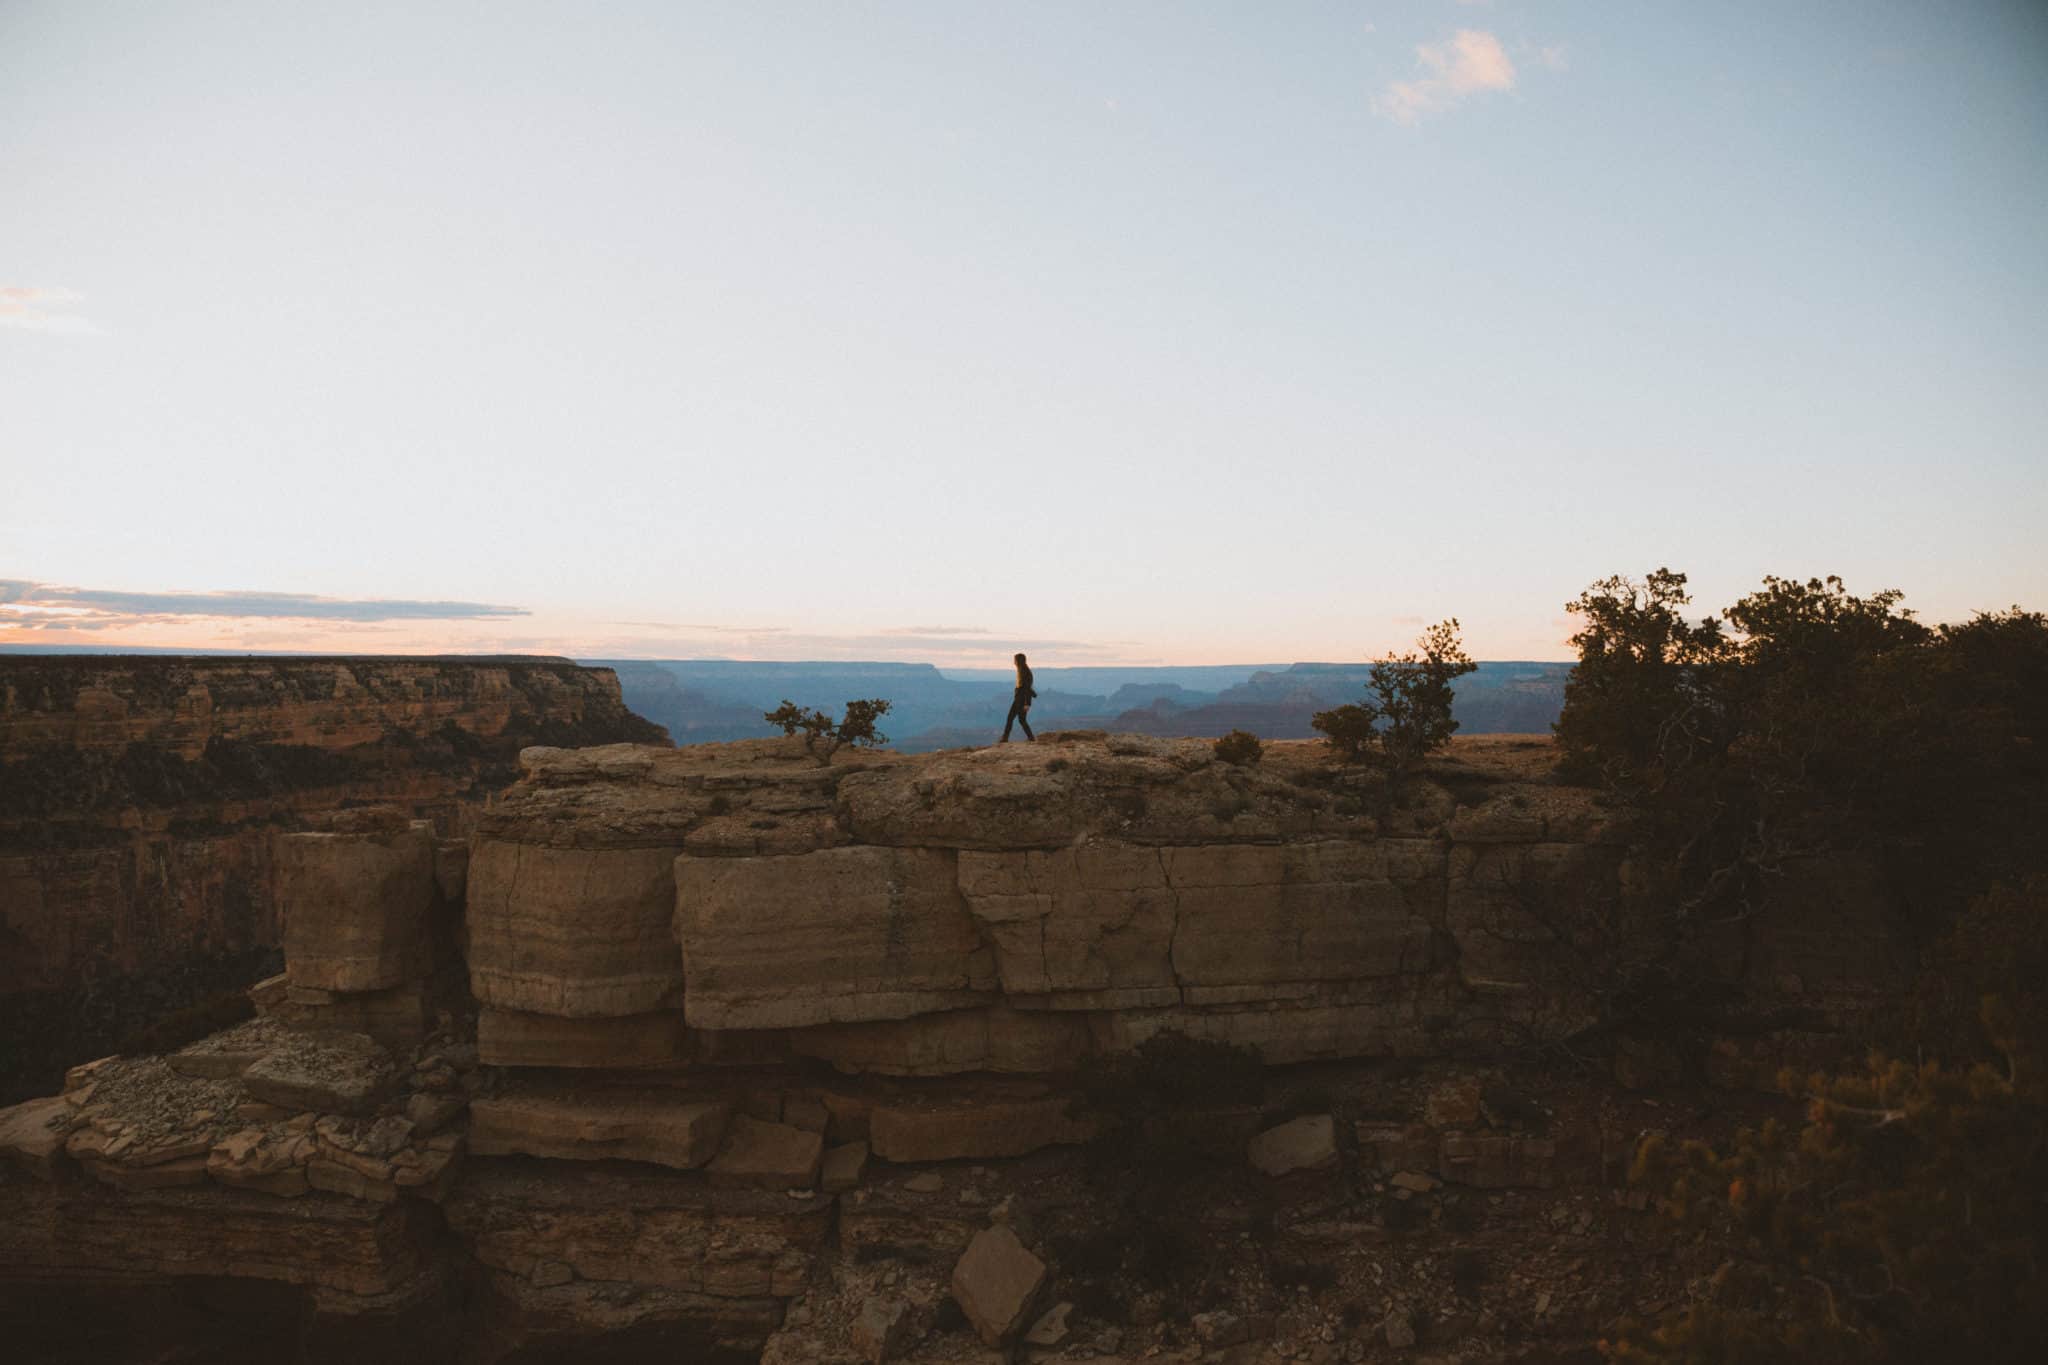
x,y
742,1022
139,796
1092,890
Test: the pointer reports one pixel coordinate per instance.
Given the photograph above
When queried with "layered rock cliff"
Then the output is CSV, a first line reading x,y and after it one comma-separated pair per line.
x,y
138,796
760,1058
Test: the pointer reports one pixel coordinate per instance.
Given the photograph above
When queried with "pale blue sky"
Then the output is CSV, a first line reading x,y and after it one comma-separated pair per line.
x,y
1121,332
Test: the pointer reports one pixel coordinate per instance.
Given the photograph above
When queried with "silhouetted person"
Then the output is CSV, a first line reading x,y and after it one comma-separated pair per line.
x,y
1020,705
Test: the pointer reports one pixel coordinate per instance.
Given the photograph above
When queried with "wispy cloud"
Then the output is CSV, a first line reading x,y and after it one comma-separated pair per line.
x,y
704,629
44,310
28,605
1470,62
1553,56
938,630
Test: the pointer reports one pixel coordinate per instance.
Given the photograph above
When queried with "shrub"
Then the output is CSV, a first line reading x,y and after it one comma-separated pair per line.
x,y
822,737
1820,722
1902,1223
1240,748
1349,728
1640,701
1409,708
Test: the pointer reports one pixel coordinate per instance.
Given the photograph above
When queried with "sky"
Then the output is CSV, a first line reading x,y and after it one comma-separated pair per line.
x,y
1114,332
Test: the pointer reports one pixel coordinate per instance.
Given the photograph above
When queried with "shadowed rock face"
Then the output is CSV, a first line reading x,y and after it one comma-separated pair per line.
x,y
139,798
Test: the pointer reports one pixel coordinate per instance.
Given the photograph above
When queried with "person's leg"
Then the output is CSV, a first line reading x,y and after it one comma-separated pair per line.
x,y
1024,721
1008,721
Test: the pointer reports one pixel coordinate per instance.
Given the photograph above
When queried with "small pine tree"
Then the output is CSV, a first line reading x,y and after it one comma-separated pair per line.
x,y
1408,712
823,736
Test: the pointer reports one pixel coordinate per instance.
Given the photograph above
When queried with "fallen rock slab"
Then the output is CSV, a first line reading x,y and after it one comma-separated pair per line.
x,y
842,1167
769,1156
995,1283
1051,1327
330,1073
881,1330
597,1126
1303,1144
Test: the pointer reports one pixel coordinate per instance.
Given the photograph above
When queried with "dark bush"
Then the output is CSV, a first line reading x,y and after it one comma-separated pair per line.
x,y
1240,748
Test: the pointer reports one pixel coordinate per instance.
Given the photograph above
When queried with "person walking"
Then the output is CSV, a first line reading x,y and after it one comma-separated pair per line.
x,y
1020,704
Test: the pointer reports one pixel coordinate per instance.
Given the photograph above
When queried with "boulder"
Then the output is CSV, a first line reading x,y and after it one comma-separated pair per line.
x,y
842,1167
1304,1144
1385,1147
1051,1328
32,1135
881,1329
1219,1329
995,1283
356,908
771,1156
1453,1103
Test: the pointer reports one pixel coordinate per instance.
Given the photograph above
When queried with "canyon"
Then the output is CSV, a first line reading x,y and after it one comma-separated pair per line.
x,y
1094,1048
139,796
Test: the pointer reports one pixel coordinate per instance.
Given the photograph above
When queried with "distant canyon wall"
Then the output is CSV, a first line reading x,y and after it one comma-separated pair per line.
x,y
138,797
713,700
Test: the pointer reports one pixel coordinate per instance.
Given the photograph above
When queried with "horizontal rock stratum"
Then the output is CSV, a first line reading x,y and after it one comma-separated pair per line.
x,y
1016,908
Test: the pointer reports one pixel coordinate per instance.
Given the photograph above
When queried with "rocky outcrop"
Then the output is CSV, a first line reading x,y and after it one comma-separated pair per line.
x,y
743,1024
1014,909
140,798
183,705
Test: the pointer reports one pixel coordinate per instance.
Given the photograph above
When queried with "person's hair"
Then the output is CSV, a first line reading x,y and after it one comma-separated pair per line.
x,y
1020,658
